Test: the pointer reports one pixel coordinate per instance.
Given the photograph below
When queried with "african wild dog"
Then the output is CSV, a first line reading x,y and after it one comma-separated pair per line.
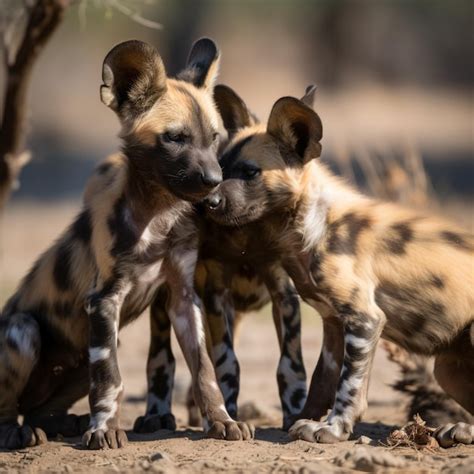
x,y
58,332
230,284
370,268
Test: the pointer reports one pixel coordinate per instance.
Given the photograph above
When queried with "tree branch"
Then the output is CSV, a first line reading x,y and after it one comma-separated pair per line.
x,y
43,19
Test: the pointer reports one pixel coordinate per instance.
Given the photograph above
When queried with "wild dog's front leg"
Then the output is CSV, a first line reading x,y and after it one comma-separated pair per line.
x,y
160,370
187,319
322,391
291,374
361,333
220,316
106,386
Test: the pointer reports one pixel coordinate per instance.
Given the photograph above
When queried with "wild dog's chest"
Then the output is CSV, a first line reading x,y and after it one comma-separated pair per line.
x,y
236,246
146,270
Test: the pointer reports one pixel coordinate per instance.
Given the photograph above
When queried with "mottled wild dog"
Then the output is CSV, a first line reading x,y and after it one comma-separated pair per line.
x,y
232,278
371,269
59,331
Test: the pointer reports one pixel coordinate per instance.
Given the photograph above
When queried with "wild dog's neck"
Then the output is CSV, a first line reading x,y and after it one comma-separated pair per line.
x,y
323,198
149,197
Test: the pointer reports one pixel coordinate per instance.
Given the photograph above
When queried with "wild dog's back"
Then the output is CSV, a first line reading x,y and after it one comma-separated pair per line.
x,y
56,287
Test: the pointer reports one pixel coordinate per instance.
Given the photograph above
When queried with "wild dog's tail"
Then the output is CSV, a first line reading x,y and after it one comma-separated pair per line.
x,y
426,397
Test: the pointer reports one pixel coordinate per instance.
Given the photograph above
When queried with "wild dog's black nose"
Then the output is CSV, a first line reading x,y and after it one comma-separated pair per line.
x,y
211,178
214,201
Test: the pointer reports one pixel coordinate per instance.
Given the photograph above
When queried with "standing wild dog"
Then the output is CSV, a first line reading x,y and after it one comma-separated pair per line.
x,y
231,283
58,332
370,268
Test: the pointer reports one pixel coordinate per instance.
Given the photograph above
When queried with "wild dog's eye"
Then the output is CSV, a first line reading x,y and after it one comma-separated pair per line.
x,y
172,137
251,172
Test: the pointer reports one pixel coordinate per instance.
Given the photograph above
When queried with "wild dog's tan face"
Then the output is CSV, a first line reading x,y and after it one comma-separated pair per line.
x,y
169,126
263,166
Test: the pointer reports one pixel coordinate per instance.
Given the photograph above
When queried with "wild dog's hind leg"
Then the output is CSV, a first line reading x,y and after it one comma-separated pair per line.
x,y
20,346
362,330
52,416
291,375
160,370
454,371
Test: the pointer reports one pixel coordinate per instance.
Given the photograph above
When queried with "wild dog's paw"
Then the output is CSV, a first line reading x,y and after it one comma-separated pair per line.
x,y
14,436
108,439
454,433
317,431
152,423
231,430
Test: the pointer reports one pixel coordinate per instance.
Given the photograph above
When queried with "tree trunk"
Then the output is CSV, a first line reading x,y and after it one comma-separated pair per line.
x,y
43,19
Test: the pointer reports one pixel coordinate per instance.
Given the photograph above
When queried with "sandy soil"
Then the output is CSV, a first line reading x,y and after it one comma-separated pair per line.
x,y
187,450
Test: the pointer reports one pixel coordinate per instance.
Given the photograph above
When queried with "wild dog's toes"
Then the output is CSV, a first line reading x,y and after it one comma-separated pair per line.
x,y
217,430
330,434
101,439
152,423
14,436
231,430
450,434
247,429
40,436
319,432
304,429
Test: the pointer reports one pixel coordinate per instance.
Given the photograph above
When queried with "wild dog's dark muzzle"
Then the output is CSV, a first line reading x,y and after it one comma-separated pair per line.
x,y
213,201
211,178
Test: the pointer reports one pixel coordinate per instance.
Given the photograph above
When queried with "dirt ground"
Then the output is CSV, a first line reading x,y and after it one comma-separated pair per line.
x,y
26,230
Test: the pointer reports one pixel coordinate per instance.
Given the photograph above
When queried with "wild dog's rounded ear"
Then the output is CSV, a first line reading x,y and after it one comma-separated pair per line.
x,y
133,77
296,125
232,109
203,64
309,96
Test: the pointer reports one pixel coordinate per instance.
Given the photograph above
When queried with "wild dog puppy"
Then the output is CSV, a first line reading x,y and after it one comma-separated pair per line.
x,y
371,269
59,331
232,279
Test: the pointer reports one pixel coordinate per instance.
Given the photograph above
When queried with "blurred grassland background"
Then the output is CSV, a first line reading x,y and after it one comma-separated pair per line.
x,y
394,82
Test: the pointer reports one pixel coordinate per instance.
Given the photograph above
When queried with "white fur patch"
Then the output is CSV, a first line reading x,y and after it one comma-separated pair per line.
x,y
358,342
198,318
22,338
150,273
98,353
187,262
329,360
180,324
314,223
109,407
